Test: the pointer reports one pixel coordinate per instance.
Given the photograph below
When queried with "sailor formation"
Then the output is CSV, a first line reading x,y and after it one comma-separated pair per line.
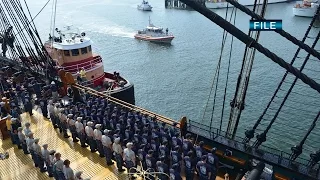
x,y
118,134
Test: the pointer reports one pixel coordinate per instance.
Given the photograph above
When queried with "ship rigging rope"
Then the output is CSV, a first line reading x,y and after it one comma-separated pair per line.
x,y
281,32
32,32
44,56
31,21
225,35
5,24
216,72
23,19
42,52
285,75
38,59
15,20
5,19
251,42
244,77
259,141
216,75
227,79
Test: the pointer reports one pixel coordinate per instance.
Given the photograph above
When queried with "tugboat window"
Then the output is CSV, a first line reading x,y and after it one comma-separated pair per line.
x,y
84,50
66,52
89,48
75,52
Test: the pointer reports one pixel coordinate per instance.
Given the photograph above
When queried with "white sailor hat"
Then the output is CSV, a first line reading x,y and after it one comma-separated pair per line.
x,y
36,140
97,125
70,115
129,145
52,152
89,123
30,133
106,131
14,119
78,173
4,98
79,118
117,140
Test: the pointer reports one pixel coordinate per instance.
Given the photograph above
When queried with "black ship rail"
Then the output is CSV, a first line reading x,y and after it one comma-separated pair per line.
x,y
272,156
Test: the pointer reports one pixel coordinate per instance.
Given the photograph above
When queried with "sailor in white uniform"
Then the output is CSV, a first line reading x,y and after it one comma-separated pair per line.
x,y
46,157
97,136
72,127
90,136
107,146
22,139
64,123
118,152
30,142
51,110
129,157
27,129
38,155
80,132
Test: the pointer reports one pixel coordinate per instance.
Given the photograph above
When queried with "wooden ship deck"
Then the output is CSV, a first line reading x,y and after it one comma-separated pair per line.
x,y
21,167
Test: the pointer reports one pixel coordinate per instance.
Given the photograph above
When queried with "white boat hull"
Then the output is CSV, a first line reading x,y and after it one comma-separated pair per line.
x,y
304,12
215,4
165,39
144,8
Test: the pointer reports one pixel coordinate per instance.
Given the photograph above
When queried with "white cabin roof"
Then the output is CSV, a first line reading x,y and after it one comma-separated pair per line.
x,y
69,44
153,27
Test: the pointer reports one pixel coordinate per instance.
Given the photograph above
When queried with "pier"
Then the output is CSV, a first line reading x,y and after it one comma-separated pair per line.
x,y
176,4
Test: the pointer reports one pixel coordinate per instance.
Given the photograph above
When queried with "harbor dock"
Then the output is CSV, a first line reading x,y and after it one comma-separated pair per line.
x,y
176,4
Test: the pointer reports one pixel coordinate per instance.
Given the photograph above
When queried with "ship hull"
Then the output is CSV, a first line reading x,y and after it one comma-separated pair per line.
x,y
125,93
219,5
304,12
166,39
144,8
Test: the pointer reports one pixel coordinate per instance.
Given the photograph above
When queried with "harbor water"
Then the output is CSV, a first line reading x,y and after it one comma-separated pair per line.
x,y
176,80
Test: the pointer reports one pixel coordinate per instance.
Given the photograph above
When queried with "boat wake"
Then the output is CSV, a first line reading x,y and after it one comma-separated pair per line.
x,y
116,31
112,29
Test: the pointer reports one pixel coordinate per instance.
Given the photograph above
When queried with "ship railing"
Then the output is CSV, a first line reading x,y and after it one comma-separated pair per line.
x,y
88,83
213,133
86,65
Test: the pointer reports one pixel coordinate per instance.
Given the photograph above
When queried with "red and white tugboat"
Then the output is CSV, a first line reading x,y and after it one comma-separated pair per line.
x,y
72,52
154,34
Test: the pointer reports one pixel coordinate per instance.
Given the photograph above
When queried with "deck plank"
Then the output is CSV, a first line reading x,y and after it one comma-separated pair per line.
x,y
20,166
